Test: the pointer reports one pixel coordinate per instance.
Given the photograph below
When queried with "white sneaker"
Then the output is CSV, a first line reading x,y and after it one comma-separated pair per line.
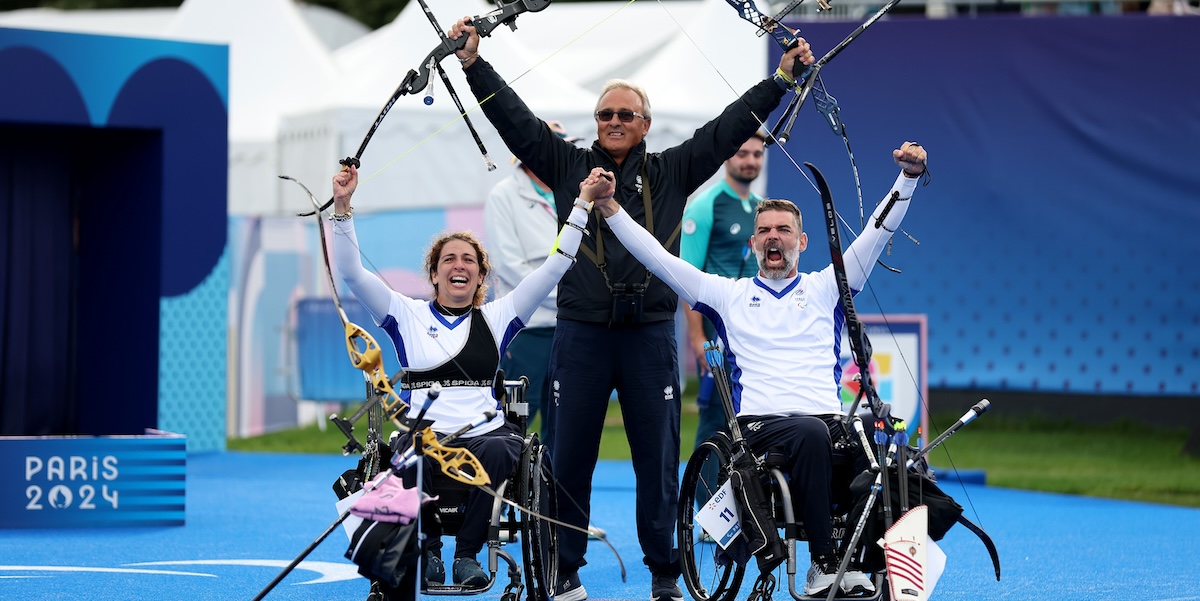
x,y
821,575
857,582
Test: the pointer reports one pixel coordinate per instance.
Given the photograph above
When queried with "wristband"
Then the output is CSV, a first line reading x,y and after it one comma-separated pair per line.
x,y
782,79
584,204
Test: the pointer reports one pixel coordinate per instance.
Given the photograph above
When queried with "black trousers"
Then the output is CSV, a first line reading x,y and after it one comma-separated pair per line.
x,y
808,442
498,452
640,362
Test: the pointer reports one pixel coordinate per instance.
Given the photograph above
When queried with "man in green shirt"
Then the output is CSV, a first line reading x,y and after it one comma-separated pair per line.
x,y
717,226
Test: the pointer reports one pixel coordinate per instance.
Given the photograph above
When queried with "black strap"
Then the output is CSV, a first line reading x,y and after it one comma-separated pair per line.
x,y
597,257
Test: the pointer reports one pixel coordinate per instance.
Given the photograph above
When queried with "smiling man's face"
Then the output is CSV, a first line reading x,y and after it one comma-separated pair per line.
x,y
617,137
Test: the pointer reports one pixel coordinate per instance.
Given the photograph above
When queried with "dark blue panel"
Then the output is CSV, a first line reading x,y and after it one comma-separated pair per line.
x,y
38,89
173,96
1056,237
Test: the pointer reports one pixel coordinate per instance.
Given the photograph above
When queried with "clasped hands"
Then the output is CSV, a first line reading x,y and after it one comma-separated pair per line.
x,y
599,187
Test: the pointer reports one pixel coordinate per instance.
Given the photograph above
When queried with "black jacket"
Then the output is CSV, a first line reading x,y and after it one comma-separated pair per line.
x,y
674,173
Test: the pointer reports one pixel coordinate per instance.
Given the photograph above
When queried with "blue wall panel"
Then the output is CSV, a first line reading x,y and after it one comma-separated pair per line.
x,y
1057,234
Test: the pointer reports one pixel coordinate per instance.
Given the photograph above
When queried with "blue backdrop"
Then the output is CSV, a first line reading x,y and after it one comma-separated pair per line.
x,y
1057,233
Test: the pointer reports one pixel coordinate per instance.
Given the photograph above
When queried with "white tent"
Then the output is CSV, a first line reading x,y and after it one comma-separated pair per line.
x,y
275,62
718,59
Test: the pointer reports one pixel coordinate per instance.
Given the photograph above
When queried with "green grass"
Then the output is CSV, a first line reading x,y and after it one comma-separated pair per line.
x,y
1119,461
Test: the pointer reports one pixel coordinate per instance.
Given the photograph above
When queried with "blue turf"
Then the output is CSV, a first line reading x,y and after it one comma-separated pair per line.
x,y
266,508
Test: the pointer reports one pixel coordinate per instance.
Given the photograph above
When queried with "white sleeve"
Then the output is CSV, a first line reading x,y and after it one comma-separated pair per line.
x,y
686,280
532,290
860,257
371,291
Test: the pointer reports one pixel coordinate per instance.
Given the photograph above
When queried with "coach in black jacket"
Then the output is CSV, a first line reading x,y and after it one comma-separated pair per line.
x,y
616,327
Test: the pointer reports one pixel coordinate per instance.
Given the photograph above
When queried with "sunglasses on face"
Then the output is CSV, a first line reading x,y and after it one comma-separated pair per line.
x,y
606,115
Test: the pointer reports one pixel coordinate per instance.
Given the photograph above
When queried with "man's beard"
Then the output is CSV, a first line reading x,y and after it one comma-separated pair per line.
x,y
739,177
790,259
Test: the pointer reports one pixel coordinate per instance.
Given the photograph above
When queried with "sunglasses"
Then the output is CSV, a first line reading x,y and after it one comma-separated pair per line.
x,y
606,115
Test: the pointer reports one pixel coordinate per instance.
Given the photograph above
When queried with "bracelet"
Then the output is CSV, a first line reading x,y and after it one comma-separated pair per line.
x,y
563,253
586,205
786,83
463,61
581,229
342,216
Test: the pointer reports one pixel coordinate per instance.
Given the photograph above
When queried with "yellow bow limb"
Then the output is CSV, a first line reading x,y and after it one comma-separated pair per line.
x,y
369,358
457,463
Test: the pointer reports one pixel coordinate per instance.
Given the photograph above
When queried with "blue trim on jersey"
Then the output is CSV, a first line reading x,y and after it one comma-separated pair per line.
x,y
445,322
735,372
514,327
392,329
839,322
781,293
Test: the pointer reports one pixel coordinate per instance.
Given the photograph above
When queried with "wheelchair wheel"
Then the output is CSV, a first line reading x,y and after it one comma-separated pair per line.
x,y
708,573
539,541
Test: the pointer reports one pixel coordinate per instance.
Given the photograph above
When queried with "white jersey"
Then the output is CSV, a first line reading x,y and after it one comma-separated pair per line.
x,y
782,337
425,339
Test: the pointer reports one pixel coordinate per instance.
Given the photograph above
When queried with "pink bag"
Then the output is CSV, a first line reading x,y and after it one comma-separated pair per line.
x,y
388,501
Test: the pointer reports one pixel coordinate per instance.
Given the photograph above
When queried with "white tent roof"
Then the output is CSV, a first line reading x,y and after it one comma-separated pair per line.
x,y
701,73
592,42
275,59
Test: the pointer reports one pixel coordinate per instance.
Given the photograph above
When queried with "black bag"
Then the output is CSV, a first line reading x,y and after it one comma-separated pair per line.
x,y
384,551
388,552
757,514
943,511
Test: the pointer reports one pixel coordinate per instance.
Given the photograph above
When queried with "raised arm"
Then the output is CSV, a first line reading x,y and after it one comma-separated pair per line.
x,y
702,154
371,291
886,218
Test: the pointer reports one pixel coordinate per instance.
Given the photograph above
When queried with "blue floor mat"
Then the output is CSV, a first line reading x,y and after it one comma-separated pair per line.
x,y
249,515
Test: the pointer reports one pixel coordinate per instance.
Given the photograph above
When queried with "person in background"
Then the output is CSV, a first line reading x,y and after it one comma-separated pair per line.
x,y
716,229
520,223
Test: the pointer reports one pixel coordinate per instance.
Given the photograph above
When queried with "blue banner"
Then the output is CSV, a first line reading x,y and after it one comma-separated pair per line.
x,y
81,482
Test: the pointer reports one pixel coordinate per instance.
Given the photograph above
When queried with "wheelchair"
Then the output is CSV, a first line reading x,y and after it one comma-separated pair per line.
x,y
712,573
708,571
529,487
